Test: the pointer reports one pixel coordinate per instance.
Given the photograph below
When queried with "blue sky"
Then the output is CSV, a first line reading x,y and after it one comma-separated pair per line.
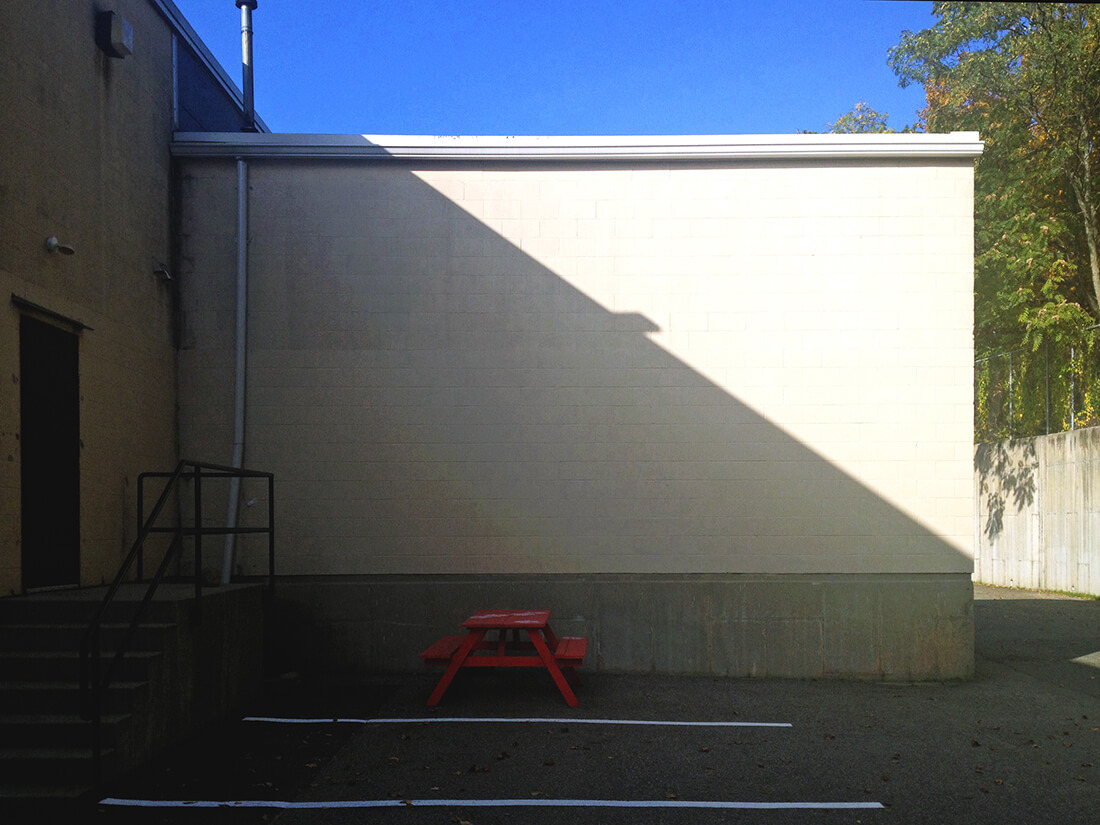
x,y
565,67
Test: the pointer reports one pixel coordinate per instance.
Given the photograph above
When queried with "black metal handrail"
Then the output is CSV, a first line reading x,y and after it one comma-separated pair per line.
x,y
94,681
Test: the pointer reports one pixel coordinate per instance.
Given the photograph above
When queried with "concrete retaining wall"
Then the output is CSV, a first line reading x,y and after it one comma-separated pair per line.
x,y
877,627
1037,510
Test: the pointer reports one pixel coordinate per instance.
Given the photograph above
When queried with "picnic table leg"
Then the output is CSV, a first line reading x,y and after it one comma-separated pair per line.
x,y
470,642
552,665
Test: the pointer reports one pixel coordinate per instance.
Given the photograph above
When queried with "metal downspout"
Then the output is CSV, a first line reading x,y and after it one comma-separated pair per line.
x,y
241,363
249,113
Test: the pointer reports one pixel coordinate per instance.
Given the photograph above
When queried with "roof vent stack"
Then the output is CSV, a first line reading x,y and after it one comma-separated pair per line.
x,y
246,7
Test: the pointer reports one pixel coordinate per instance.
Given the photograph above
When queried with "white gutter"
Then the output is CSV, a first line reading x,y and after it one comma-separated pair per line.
x,y
961,145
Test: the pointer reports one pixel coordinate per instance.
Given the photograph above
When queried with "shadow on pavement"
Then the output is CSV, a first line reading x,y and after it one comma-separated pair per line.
x,y
1020,742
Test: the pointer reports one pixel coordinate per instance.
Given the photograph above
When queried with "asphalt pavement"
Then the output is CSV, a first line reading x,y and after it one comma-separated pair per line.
x,y
1020,743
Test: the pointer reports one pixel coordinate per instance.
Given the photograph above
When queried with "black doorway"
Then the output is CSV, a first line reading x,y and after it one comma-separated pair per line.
x,y
49,414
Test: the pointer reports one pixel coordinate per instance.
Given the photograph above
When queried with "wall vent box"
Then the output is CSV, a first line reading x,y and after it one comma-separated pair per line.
x,y
114,34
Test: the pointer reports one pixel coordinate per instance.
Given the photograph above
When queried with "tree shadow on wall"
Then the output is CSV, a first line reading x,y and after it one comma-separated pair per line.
x,y
1006,471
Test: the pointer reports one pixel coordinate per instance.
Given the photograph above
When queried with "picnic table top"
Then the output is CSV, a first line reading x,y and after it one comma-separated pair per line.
x,y
507,618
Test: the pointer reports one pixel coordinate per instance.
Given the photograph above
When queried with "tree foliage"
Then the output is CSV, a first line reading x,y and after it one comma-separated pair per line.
x,y
862,119
1027,77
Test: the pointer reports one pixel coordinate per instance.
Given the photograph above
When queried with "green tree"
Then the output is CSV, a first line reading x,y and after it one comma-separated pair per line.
x,y
862,119
1026,76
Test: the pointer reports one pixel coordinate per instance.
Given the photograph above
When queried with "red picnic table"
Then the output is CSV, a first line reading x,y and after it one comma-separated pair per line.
x,y
558,656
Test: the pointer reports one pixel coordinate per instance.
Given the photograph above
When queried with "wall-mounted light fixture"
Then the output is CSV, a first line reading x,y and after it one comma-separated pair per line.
x,y
54,245
114,34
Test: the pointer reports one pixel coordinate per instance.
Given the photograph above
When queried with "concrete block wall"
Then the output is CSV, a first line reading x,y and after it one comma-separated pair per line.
x,y
552,368
1037,512
86,159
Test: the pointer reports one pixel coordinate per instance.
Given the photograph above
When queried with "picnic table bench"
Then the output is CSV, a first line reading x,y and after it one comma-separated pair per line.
x,y
541,648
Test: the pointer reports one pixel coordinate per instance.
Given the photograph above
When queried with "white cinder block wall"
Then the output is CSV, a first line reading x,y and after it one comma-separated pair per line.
x,y
752,371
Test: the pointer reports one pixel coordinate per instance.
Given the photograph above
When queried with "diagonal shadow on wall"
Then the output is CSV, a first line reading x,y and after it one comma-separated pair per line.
x,y
436,400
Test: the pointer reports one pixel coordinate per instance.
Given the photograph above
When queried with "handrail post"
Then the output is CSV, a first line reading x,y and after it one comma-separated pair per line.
x,y
97,712
94,677
140,524
271,534
198,545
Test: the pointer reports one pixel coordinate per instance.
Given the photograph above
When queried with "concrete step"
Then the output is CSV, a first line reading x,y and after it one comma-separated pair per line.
x,y
37,766
30,698
68,636
28,666
45,747
13,796
58,730
79,607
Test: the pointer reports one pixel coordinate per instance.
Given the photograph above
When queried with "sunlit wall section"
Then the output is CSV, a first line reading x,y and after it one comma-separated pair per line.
x,y
833,300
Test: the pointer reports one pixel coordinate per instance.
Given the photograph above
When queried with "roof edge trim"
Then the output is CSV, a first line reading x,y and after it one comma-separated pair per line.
x,y
960,145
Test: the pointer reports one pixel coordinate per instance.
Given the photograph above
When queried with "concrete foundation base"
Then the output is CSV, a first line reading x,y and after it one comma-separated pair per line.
x,y
896,627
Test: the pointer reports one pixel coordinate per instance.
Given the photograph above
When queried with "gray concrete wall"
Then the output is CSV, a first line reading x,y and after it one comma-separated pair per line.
x,y
208,671
1037,512
896,627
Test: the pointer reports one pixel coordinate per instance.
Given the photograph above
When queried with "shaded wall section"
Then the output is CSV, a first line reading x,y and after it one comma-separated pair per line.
x,y
85,158
746,383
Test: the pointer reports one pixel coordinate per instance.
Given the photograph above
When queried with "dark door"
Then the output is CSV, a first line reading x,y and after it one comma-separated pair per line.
x,y
49,414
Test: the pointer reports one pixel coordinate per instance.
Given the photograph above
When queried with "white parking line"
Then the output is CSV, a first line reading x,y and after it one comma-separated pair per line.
x,y
564,721
487,803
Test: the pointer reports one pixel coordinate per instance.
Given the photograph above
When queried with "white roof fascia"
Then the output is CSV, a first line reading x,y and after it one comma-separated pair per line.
x,y
961,145
183,29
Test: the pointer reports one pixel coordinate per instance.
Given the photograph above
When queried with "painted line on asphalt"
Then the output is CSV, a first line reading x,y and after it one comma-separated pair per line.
x,y
487,803
506,719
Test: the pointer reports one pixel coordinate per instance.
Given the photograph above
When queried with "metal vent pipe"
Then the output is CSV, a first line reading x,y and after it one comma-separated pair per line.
x,y
246,7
